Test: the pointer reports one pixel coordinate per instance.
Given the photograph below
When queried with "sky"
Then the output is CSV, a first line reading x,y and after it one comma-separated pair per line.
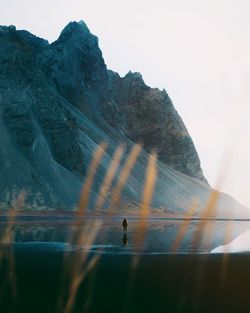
x,y
198,50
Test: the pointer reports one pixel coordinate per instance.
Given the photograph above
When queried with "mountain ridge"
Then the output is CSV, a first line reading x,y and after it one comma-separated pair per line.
x,y
59,102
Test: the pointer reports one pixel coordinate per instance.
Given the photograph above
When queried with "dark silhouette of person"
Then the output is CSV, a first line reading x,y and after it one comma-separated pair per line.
x,y
125,225
125,239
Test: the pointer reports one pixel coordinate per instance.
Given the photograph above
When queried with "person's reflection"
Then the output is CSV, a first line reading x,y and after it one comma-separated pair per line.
x,y
125,239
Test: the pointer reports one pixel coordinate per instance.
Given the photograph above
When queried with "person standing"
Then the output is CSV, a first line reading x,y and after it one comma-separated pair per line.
x,y
125,225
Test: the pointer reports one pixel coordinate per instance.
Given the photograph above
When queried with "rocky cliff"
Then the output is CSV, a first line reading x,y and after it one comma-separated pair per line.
x,y
146,115
74,65
58,102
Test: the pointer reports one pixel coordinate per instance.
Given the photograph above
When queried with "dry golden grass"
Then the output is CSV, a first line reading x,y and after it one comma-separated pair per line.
x,y
7,256
86,190
205,227
224,263
184,227
79,263
7,240
207,213
112,169
124,174
147,195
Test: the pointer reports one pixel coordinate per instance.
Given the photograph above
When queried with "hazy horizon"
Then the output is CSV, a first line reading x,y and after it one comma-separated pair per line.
x,y
199,52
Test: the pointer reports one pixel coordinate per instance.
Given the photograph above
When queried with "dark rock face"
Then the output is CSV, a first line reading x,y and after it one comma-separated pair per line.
x,y
27,100
58,102
34,118
147,116
75,66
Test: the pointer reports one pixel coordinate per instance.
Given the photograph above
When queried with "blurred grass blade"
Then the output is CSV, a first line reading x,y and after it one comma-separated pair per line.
x,y
226,254
116,192
184,227
86,190
112,169
77,265
76,282
147,196
207,213
8,240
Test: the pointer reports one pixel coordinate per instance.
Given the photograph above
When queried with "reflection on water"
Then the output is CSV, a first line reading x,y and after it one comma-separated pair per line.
x,y
160,235
125,238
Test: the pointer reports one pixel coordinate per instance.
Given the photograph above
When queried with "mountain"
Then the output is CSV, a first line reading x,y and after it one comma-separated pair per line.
x,y
59,102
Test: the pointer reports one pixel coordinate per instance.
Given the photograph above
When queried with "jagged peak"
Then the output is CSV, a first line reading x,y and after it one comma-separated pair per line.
x,y
76,27
134,75
136,78
77,30
129,75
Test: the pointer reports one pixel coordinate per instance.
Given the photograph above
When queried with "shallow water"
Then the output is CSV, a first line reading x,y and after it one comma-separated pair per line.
x,y
108,236
191,281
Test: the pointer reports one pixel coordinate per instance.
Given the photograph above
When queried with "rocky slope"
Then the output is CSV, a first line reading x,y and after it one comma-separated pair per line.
x,y
147,116
58,102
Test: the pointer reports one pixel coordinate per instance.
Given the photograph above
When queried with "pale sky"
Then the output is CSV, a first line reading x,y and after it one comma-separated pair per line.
x,y
198,50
